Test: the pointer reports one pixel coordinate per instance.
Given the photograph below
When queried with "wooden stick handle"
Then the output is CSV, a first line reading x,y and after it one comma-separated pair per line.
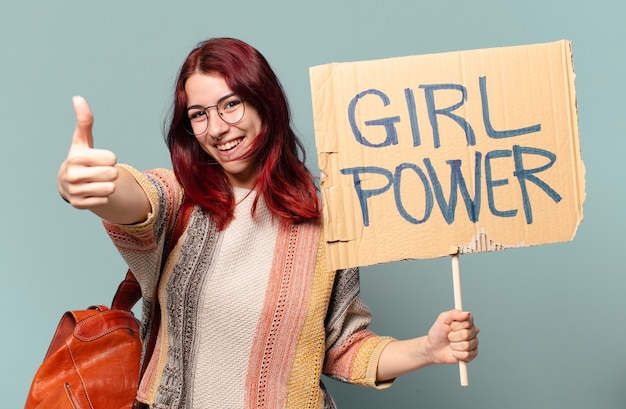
x,y
458,305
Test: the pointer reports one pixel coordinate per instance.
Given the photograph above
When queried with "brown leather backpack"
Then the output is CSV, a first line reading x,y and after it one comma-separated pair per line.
x,y
93,361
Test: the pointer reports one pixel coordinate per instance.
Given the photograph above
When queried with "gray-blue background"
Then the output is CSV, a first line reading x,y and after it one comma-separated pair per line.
x,y
552,317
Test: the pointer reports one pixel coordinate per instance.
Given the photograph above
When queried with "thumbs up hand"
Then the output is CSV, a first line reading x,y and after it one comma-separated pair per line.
x,y
87,177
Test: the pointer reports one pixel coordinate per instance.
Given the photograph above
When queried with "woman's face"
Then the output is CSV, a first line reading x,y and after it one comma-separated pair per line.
x,y
229,144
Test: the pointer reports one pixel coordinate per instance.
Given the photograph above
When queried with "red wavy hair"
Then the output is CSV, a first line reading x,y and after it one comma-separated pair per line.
x,y
282,177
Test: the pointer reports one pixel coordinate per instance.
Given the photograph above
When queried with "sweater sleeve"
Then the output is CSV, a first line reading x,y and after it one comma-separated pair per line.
x,y
141,245
352,350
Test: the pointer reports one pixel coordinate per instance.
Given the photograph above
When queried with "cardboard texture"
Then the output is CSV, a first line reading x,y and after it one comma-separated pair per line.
x,y
461,152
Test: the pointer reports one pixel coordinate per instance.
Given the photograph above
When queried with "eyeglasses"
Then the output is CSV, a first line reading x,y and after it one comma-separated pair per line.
x,y
230,109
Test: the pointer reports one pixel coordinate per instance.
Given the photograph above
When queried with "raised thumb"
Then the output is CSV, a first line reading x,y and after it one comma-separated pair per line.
x,y
84,123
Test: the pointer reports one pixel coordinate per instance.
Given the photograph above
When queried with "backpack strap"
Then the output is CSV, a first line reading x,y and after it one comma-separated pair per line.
x,y
127,294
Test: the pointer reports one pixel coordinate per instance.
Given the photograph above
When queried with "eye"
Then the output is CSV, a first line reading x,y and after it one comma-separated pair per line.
x,y
196,115
231,104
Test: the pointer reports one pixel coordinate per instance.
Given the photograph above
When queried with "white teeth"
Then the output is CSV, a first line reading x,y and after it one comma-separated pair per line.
x,y
229,145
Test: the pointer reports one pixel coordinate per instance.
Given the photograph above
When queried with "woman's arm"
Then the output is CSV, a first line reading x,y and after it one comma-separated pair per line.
x,y
452,338
89,179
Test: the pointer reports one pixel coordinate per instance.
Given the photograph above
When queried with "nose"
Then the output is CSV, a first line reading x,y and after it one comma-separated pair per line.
x,y
216,126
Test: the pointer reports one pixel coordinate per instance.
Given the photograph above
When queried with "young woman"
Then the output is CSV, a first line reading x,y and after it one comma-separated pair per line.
x,y
250,317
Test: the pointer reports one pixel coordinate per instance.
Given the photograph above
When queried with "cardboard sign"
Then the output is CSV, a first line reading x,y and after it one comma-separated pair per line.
x,y
451,153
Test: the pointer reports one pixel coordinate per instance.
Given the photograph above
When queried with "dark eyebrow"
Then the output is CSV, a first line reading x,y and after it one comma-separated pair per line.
x,y
195,107
226,96
218,101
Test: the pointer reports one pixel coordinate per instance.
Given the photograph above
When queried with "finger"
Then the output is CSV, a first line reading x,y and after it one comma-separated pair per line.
x,y
459,325
83,136
91,157
88,202
449,317
465,352
91,174
467,345
463,335
92,189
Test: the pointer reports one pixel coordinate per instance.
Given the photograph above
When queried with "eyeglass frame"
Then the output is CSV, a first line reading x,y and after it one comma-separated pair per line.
x,y
205,112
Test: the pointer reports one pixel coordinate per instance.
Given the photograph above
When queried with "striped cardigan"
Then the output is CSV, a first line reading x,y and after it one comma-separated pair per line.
x,y
312,320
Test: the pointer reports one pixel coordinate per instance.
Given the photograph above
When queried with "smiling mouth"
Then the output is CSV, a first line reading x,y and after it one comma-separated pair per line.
x,y
228,145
